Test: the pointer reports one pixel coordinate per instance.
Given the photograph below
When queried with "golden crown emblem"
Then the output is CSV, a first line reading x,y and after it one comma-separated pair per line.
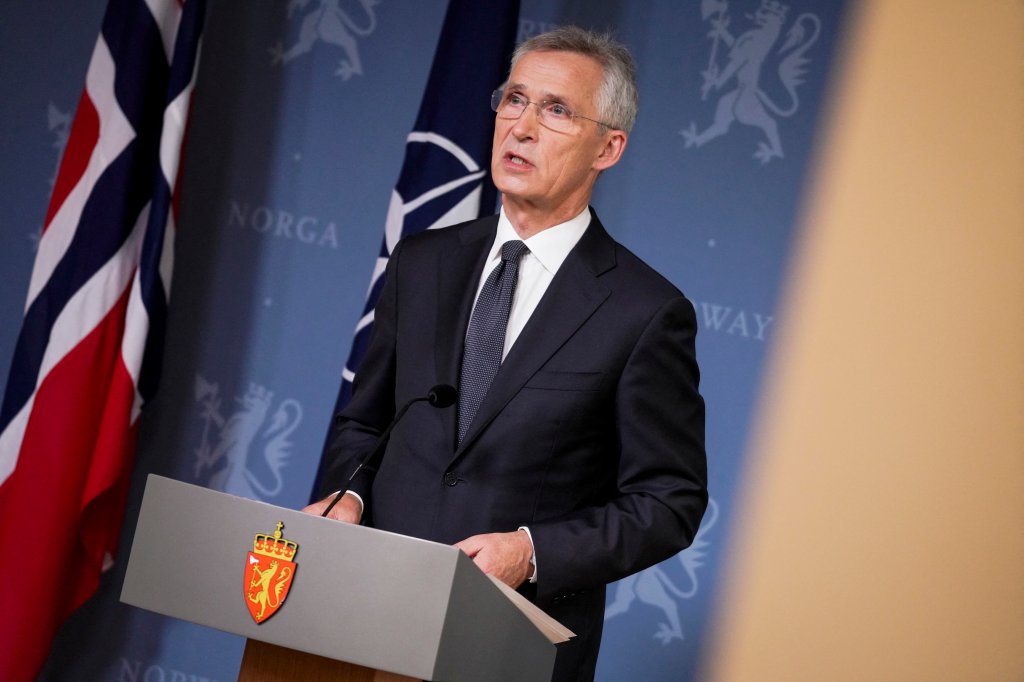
x,y
275,546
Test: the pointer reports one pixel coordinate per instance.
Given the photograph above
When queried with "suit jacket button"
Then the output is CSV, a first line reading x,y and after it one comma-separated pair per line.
x,y
451,479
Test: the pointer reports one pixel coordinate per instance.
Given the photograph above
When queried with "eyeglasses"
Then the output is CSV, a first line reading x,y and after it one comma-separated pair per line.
x,y
553,115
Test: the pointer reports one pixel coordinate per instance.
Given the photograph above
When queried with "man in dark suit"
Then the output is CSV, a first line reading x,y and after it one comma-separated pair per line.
x,y
579,459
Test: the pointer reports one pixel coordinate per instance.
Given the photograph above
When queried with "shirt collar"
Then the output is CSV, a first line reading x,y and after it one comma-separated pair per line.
x,y
551,246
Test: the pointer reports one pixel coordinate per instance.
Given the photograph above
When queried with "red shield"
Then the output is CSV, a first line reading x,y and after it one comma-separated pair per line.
x,y
267,581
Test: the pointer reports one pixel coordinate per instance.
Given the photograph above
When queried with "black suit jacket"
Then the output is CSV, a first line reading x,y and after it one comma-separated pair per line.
x,y
591,435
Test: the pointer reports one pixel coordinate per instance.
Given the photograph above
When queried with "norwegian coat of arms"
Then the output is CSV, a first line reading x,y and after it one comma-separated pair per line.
x,y
741,96
269,571
329,23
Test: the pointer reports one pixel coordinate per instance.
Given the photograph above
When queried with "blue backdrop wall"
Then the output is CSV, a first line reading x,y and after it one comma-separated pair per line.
x,y
294,149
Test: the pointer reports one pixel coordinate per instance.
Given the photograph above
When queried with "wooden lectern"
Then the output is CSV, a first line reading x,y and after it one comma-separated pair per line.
x,y
360,604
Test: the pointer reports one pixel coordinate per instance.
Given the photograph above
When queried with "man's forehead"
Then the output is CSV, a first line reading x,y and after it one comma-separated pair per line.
x,y
556,75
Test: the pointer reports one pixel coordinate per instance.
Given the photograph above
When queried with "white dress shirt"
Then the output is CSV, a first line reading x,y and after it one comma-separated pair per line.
x,y
548,250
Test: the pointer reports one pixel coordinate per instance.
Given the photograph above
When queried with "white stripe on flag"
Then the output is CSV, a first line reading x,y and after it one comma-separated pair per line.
x,y
115,134
467,209
365,321
167,16
136,324
10,440
172,134
379,266
167,251
441,189
133,343
446,144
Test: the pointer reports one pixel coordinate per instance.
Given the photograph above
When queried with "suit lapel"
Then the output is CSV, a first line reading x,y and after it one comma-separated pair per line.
x,y
459,273
573,296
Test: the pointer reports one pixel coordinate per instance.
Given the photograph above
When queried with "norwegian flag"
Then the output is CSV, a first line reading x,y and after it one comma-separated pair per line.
x,y
445,177
88,354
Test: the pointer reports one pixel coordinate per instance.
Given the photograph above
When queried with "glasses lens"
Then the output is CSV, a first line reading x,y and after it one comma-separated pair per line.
x,y
508,105
550,114
555,116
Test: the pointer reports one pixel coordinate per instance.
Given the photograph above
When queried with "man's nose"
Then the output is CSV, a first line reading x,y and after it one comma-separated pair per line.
x,y
526,124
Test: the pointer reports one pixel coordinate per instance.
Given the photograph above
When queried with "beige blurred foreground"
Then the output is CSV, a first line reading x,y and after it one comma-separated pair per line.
x,y
882,531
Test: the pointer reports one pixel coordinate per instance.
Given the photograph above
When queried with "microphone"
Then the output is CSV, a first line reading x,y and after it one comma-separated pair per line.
x,y
439,396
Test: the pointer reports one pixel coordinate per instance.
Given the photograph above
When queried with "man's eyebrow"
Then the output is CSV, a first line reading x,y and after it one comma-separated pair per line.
x,y
544,96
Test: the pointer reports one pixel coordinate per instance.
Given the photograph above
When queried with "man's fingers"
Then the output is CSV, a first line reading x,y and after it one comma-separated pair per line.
x,y
317,508
347,510
470,546
502,555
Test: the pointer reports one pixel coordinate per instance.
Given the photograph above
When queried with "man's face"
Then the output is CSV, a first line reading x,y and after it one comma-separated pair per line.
x,y
544,171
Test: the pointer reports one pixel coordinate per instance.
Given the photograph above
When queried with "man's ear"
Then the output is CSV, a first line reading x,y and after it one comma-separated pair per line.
x,y
611,152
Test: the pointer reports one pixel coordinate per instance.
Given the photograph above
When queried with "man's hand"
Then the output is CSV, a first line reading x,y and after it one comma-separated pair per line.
x,y
506,556
348,509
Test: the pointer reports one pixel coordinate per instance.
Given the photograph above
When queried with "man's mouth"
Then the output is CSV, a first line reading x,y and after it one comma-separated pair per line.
x,y
516,160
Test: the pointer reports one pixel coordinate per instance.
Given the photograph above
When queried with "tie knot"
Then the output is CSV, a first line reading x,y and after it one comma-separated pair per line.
x,y
513,250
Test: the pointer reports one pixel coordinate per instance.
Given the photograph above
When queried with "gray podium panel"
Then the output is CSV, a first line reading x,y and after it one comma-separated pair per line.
x,y
360,595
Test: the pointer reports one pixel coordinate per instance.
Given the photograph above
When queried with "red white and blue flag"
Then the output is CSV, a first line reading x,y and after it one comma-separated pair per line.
x,y
88,355
445,177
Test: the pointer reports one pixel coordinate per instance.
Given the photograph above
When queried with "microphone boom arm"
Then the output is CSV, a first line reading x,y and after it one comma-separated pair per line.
x,y
442,395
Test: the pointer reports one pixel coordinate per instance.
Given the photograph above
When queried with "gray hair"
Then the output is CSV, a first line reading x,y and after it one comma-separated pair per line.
x,y
617,100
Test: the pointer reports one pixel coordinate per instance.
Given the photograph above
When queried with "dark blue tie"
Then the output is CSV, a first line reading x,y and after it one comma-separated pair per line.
x,y
485,339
